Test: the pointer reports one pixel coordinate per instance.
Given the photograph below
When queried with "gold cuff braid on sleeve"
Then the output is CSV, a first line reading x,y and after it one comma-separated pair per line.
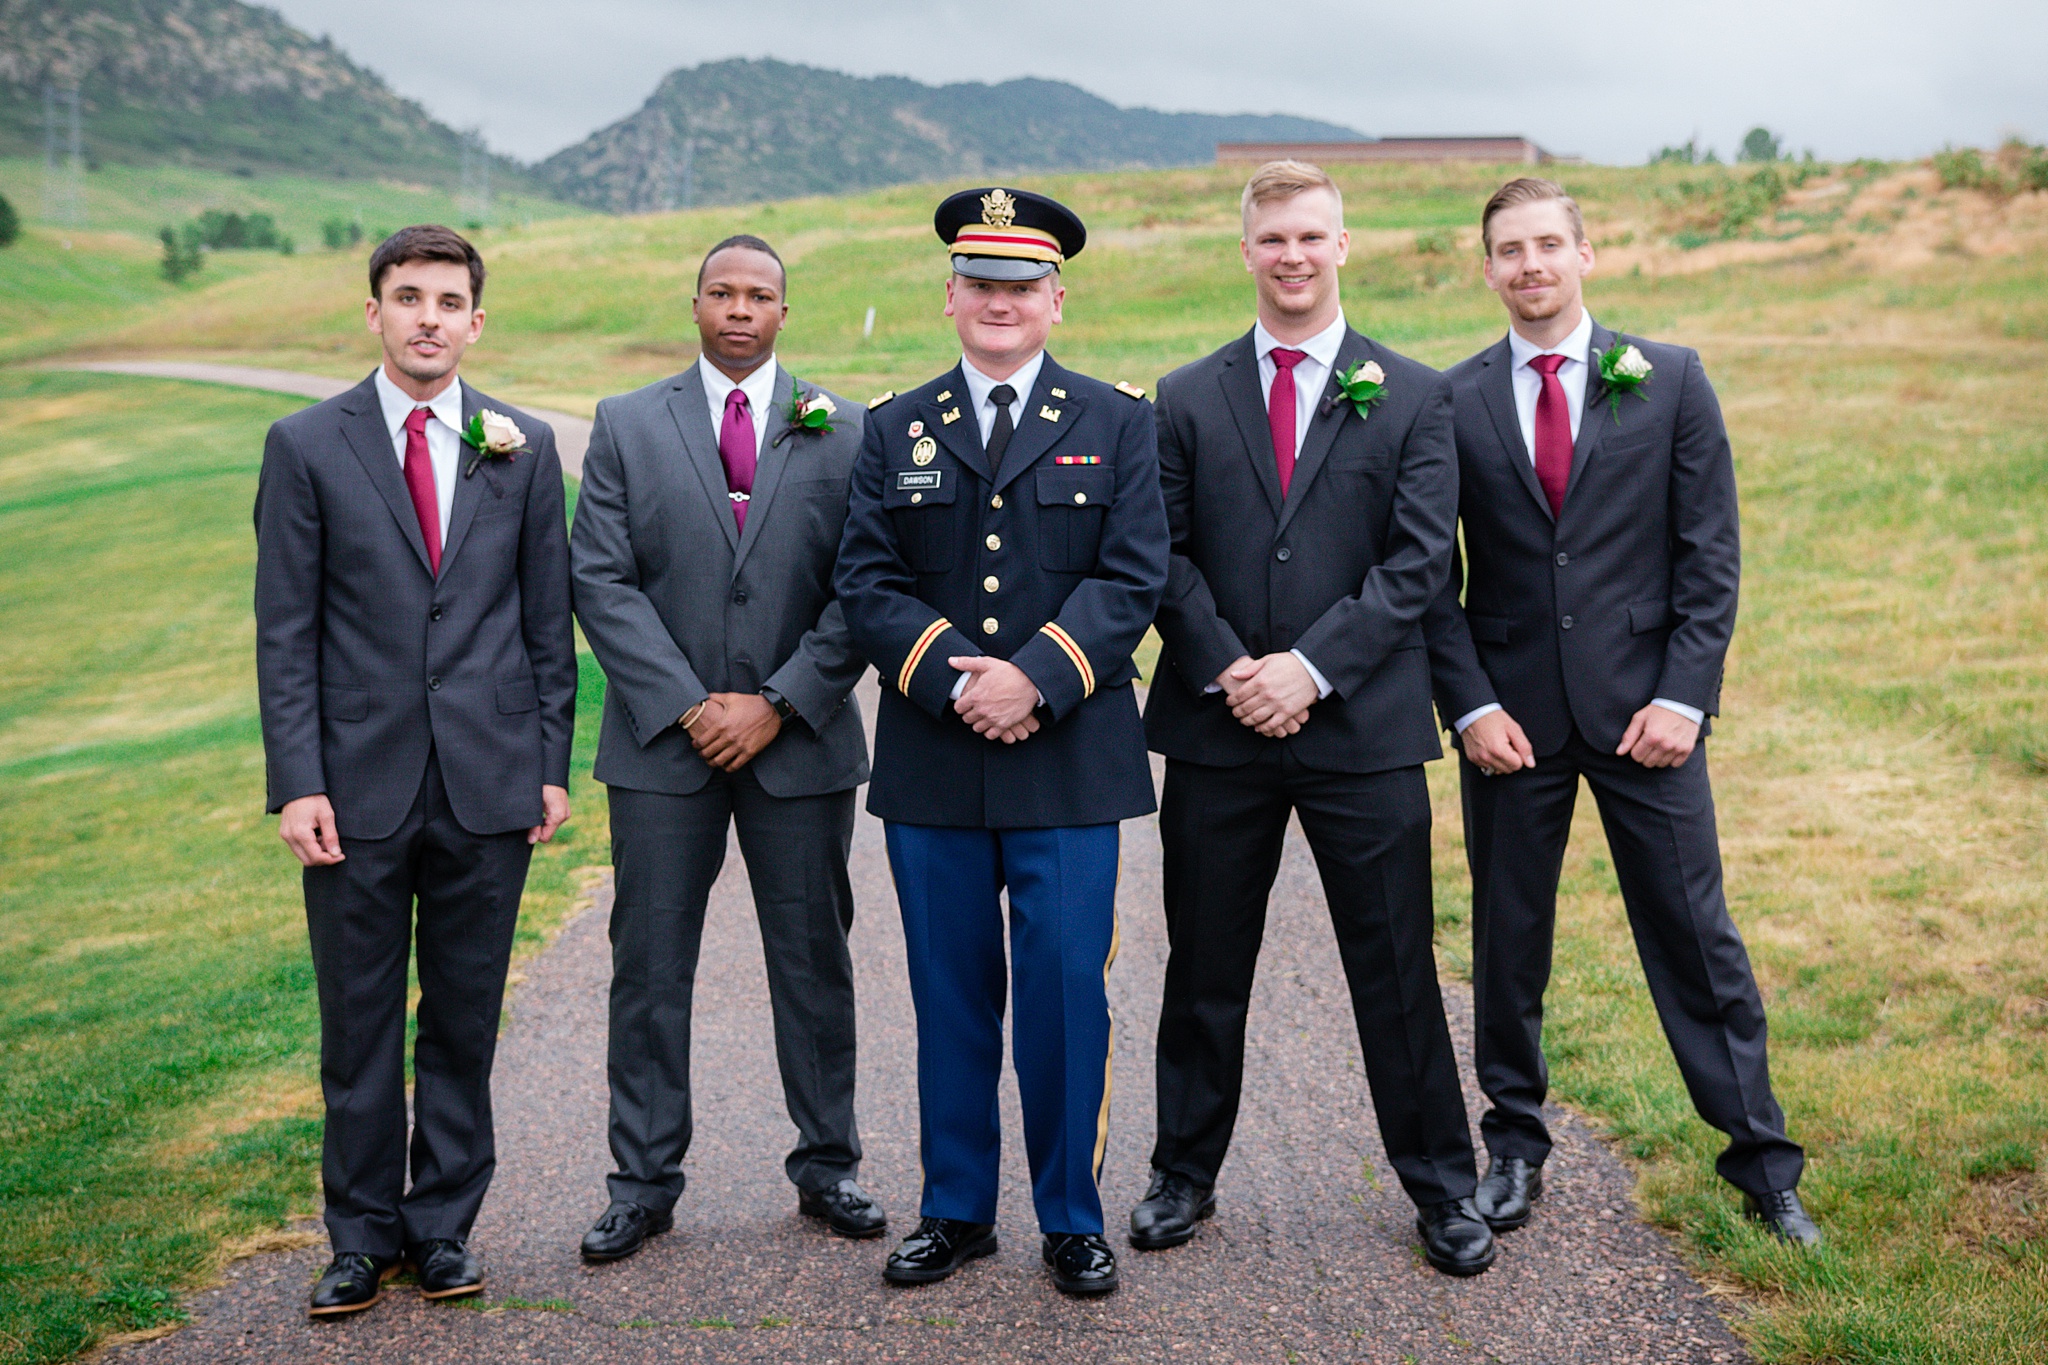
x,y
1075,655
917,652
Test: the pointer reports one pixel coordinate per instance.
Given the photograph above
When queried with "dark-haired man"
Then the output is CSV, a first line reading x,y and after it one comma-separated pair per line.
x,y
703,548
416,669
1004,554
1598,494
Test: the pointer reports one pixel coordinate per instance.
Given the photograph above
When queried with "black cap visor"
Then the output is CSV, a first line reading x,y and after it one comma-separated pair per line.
x,y
1001,268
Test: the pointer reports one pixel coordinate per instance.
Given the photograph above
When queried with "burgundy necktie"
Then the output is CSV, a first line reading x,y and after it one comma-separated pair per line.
x,y
419,481
1553,433
736,450
1280,411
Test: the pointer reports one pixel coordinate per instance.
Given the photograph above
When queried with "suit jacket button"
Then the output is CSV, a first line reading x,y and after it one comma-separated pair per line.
x,y
1566,623
1283,554
997,503
433,684
988,626
434,615
1563,559
994,542
740,598
990,584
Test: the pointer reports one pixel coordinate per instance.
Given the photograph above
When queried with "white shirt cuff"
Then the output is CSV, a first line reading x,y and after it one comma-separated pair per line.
x,y
1461,722
1691,713
1323,688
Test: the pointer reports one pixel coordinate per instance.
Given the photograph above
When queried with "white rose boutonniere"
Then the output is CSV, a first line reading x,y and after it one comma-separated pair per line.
x,y
1624,370
491,436
1363,386
807,412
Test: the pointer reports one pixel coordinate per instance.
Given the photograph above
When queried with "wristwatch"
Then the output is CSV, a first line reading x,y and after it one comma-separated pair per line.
x,y
783,707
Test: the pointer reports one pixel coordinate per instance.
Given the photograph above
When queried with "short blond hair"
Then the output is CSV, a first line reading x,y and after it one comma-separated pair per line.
x,y
1529,189
1278,180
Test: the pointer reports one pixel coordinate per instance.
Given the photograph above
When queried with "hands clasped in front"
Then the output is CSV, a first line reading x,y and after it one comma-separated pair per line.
x,y
999,698
732,728
1271,694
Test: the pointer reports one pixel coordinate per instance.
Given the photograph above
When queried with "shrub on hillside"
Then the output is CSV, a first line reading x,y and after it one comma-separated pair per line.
x,y
1759,144
1961,168
184,253
10,222
338,234
220,231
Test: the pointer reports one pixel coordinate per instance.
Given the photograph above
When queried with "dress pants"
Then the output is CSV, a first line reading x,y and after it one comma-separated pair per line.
x,y
1223,830
666,852
359,916
1062,932
1667,858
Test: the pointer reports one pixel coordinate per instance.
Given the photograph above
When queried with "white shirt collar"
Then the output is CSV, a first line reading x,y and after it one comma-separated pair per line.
x,y
759,386
398,404
1321,348
1574,347
979,385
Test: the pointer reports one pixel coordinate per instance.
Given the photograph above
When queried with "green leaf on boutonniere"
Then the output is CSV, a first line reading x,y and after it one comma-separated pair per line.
x,y
1624,370
1363,386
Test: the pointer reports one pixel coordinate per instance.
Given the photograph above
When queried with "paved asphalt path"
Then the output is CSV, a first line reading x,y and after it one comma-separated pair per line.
x,y
1312,1254
572,434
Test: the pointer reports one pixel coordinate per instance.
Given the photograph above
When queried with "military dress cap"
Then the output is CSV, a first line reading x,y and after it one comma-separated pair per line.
x,y
999,234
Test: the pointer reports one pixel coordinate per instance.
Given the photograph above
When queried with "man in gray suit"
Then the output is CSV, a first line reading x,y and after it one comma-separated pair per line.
x,y
416,672
703,548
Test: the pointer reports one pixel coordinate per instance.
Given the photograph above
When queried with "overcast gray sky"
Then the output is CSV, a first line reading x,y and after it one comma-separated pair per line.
x,y
1608,79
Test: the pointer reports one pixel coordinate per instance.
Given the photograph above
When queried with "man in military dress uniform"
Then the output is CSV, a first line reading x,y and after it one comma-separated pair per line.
x,y
1005,549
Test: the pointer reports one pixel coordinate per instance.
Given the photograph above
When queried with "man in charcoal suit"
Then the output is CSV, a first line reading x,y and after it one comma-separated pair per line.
x,y
1311,490
1598,496
705,536
416,670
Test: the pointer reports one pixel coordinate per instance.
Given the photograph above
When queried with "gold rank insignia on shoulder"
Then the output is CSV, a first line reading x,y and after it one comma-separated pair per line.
x,y
924,452
950,416
1059,393
943,396
1128,389
1050,414
880,399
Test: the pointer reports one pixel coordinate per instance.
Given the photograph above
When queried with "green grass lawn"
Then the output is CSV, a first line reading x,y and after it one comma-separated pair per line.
x,y
1880,347
157,1018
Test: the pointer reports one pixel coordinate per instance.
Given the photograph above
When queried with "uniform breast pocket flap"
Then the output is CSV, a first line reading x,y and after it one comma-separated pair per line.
x,y
1072,502
920,488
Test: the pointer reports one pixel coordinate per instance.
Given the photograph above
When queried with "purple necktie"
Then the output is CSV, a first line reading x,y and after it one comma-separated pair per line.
x,y
736,451
419,481
1280,411
1553,433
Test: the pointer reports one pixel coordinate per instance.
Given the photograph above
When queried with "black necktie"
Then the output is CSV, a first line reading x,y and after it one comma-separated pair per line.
x,y
1002,395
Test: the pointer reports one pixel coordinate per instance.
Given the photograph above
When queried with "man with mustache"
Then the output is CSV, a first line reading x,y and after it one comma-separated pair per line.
x,y
1311,489
705,536
416,672
1598,495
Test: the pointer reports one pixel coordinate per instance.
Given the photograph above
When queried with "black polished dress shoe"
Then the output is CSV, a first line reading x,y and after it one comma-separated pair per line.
x,y
623,1230
1082,1263
1506,1196
846,1209
447,1269
352,1282
1454,1237
939,1247
1784,1216
1167,1215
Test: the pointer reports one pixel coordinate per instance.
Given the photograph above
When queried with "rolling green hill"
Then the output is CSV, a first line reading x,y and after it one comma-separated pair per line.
x,y
737,131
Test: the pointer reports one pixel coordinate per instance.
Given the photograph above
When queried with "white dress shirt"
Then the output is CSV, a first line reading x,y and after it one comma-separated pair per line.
x,y
1528,384
758,386
979,386
444,439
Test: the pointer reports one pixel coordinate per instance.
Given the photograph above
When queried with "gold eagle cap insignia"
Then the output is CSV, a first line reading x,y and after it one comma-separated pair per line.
x,y
998,208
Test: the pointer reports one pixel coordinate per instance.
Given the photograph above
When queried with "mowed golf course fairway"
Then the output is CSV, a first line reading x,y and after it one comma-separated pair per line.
x,y
1880,345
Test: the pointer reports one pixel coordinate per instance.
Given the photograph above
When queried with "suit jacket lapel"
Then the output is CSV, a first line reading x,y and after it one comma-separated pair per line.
x,y
775,457
1037,433
962,435
686,404
363,428
1595,414
468,491
1497,386
1247,402
1324,420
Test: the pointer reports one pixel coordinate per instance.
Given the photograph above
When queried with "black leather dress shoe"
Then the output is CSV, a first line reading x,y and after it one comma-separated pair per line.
x,y
1167,1215
846,1209
1454,1237
1506,1196
1784,1216
623,1230
939,1247
352,1282
447,1269
1082,1263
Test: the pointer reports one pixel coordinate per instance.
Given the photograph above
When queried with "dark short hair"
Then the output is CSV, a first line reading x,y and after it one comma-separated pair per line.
x,y
427,242
1529,189
750,242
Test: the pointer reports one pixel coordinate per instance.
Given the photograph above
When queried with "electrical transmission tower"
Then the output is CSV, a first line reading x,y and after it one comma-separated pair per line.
x,y
63,179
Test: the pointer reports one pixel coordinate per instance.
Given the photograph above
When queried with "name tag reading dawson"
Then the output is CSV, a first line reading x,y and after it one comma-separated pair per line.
x,y
924,480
